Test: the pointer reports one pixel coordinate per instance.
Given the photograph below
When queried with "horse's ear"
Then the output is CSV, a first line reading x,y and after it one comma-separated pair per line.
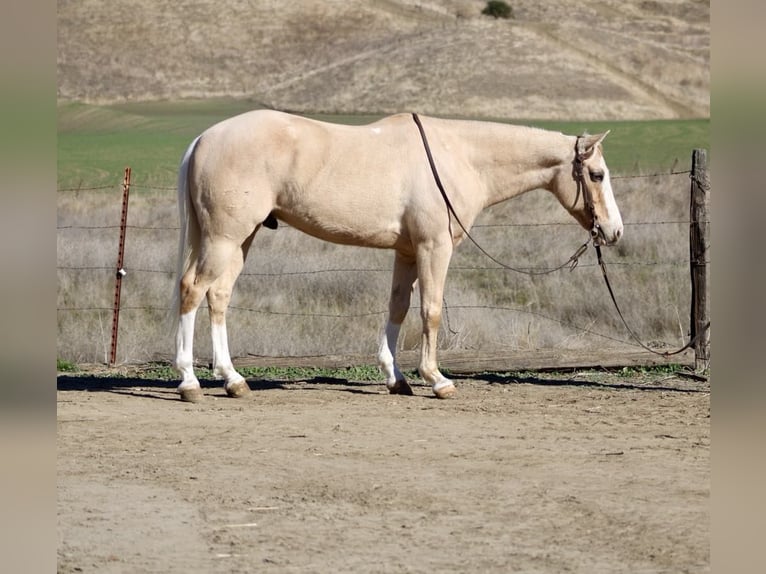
x,y
591,141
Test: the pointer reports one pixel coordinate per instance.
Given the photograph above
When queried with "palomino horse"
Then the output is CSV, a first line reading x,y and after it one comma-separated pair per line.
x,y
369,186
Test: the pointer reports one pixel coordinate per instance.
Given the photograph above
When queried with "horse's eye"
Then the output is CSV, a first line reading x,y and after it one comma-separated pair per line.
x,y
596,175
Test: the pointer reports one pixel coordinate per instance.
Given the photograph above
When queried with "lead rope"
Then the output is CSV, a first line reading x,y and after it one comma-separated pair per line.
x,y
691,342
571,262
582,187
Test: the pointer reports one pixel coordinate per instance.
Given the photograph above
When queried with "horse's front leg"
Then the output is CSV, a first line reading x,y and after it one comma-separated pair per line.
x,y
405,273
432,274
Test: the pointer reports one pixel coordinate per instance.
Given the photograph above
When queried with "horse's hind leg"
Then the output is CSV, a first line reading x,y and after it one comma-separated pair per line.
x,y
213,261
405,273
189,389
218,297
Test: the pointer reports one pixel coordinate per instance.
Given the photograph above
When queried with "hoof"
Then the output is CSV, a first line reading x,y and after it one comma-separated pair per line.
x,y
400,387
192,395
445,392
237,389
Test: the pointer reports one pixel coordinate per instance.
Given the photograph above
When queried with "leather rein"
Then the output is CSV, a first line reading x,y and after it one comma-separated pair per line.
x,y
582,188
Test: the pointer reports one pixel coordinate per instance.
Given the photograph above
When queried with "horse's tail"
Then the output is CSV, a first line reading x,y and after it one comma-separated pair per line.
x,y
188,242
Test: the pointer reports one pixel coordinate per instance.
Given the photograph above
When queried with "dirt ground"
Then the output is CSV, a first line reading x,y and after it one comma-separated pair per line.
x,y
586,471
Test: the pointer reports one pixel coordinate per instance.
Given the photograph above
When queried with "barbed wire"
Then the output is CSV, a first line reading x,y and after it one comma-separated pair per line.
x,y
91,188
662,174
115,186
335,270
477,226
167,187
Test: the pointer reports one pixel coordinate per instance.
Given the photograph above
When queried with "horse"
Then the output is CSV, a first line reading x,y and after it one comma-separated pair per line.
x,y
372,186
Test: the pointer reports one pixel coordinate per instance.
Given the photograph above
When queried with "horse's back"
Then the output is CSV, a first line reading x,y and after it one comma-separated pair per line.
x,y
244,142
341,183
274,126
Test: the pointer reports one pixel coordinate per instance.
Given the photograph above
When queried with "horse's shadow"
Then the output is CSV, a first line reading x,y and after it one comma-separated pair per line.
x,y
166,390
497,379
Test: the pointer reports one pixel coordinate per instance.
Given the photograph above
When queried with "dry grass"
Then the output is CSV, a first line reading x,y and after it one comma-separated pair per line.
x,y
300,296
586,59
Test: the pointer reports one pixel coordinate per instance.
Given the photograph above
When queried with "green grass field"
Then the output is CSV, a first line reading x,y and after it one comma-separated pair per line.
x,y
97,143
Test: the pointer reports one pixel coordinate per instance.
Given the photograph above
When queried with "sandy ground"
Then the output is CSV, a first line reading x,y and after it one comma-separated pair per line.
x,y
583,472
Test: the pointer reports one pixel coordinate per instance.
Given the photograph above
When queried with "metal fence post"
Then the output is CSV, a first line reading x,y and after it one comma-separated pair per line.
x,y
120,270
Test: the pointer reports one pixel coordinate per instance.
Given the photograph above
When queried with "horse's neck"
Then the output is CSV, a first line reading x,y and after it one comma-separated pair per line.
x,y
512,160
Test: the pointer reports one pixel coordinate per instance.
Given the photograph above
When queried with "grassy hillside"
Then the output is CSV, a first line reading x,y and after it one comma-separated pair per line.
x,y
559,59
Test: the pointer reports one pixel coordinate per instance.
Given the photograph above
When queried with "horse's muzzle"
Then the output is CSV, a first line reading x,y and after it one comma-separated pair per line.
x,y
601,237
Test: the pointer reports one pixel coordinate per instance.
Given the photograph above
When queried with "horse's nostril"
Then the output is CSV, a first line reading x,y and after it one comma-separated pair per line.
x,y
618,234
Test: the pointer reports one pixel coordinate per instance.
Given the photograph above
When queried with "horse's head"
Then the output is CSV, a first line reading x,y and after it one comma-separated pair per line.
x,y
586,191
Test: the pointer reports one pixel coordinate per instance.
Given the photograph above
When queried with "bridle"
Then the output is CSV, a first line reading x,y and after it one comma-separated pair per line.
x,y
578,173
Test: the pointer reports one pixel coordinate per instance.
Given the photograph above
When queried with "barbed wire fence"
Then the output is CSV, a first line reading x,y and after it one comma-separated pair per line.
x,y
276,289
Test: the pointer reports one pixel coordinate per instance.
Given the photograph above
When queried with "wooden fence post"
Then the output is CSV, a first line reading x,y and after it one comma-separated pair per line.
x,y
698,251
120,271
